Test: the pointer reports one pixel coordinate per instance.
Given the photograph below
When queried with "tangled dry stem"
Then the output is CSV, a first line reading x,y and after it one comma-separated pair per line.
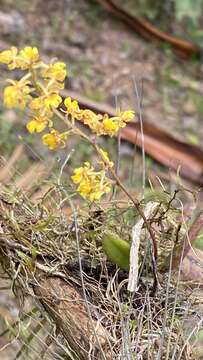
x,y
85,296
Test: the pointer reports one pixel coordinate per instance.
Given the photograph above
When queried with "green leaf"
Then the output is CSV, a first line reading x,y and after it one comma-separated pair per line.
x,y
26,259
117,250
189,8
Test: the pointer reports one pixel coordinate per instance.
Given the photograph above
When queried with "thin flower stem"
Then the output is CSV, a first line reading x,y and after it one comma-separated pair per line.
x,y
119,183
141,213
134,200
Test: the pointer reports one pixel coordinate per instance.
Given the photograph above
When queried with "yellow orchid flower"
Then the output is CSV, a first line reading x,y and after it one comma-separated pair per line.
x,y
54,139
17,94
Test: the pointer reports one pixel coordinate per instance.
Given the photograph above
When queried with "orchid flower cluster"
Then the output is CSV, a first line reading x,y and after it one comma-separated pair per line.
x,y
39,91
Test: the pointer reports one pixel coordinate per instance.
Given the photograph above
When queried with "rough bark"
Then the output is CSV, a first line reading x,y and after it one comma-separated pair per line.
x,y
67,308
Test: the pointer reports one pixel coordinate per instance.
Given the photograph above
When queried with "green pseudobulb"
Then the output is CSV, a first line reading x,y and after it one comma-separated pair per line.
x,y
117,250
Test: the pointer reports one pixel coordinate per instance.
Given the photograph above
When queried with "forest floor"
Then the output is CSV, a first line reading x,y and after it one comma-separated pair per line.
x,y
108,63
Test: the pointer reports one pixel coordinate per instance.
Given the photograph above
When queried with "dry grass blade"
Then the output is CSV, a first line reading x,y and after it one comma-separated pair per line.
x,y
134,251
8,170
39,251
31,176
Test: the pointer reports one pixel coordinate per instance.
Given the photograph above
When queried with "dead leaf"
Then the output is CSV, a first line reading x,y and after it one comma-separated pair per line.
x,y
192,266
148,31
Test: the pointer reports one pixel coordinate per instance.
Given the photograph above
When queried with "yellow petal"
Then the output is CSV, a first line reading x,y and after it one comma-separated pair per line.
x,y
53,100
36,126
7,56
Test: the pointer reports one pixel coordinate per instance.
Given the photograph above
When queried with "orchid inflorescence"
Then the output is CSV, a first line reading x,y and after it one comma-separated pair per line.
x,y
39,91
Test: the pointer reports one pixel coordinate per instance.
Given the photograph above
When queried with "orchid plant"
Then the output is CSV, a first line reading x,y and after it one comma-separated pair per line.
x,y
38,90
